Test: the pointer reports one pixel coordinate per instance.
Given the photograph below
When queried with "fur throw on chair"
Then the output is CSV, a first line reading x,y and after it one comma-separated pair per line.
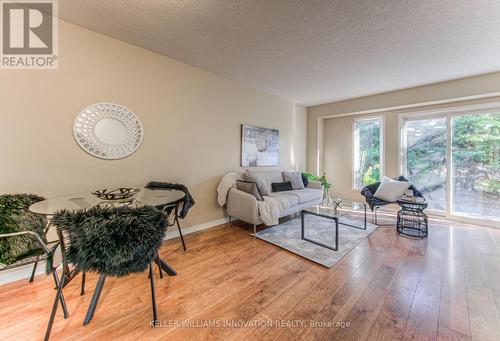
x,y
187,201
112,241
16,217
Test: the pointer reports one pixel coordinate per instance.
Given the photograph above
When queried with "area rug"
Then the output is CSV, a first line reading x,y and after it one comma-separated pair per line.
x,y
287,236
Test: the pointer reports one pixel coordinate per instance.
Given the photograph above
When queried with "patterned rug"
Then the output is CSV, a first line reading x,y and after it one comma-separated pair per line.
x,y
287,236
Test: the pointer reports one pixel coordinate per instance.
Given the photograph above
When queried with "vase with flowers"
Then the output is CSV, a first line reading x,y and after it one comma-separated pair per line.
x,y
327,198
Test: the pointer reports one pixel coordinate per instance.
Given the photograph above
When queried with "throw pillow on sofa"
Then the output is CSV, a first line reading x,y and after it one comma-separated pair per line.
x,y
262,186
250,188
305,179
295,178
281,186
390,190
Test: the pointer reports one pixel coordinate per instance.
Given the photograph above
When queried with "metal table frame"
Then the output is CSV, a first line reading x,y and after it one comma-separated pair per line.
x,y
331,217
69,273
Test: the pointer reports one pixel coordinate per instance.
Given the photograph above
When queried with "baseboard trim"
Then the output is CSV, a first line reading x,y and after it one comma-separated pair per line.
x,y
195,228
24,272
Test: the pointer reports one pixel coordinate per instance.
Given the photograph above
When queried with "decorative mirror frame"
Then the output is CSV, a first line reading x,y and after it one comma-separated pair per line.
x,y
84,131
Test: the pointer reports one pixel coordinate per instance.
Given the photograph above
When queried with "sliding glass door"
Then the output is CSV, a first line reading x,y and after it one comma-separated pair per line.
x,y
454,159
475,149
425,161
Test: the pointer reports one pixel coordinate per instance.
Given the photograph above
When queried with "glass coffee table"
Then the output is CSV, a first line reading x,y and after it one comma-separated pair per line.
x,y
333,212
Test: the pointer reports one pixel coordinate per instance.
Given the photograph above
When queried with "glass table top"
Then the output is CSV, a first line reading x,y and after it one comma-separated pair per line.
x,y
335,210
88,200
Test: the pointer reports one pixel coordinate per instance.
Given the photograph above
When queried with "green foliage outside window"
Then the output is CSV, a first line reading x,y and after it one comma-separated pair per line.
x,y
475,155
426,154
476,152
369,152
371,175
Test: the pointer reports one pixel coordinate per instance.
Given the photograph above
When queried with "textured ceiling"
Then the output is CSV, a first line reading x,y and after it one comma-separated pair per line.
x,y
307,51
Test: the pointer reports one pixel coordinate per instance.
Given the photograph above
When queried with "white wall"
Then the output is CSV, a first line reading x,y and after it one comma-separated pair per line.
x,y
191,122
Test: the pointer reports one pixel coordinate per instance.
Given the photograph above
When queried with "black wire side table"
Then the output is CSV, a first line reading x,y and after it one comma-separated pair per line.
x,y
412,221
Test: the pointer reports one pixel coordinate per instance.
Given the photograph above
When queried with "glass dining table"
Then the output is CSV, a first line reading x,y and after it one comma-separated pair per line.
x,y
74,202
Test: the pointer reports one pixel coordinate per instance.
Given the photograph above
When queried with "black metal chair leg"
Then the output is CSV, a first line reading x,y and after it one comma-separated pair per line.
x,y
59,295
153,293
167,268
180,233
95,299
63,301
159,266
33,272
82,291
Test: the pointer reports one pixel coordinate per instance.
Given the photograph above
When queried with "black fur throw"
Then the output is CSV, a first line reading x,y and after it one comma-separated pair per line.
x,y
187,201
112,241
16,217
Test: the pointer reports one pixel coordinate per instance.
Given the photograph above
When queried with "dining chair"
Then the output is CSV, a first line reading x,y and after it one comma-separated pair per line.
x,y
111,242
22,238
16,217
173,211
172,218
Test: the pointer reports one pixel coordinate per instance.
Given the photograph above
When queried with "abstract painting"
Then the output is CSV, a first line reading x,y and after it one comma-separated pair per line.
x,y
259,146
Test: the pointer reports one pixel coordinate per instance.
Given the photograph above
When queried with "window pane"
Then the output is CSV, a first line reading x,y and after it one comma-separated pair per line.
x,y
426,159
367,152
476,165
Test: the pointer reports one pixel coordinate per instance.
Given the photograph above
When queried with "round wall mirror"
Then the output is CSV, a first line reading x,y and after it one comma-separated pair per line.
x,y
111,131
108,131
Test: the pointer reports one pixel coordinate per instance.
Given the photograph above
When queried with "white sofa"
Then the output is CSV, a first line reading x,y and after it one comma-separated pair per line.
x,y
243,205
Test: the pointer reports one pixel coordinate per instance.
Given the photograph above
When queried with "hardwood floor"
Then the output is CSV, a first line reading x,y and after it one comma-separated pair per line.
x,y
446,287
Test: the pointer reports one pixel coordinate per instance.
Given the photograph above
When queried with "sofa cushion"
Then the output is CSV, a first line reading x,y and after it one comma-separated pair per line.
x,y
292,199
261,183
295,178
390,190
263,179
305,179
307,194
250,188
281,186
